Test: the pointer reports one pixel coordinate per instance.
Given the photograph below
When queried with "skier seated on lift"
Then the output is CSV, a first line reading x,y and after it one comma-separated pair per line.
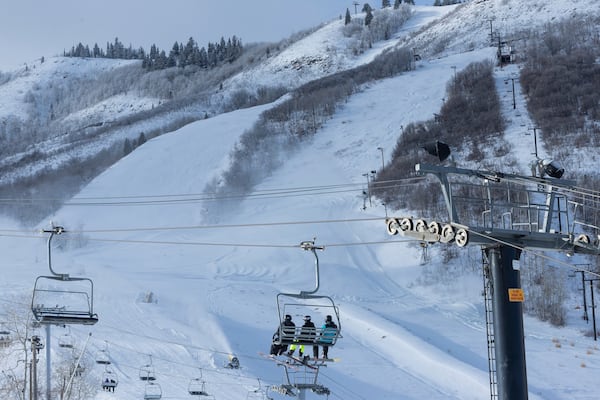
x,y
287,330
109,385
328,334
308,333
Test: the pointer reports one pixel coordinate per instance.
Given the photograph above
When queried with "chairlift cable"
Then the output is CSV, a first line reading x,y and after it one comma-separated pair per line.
x,y
257,245
235,226
194,227
197,197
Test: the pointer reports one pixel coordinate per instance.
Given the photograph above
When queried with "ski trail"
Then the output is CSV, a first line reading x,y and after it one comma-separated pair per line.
x,y
415,358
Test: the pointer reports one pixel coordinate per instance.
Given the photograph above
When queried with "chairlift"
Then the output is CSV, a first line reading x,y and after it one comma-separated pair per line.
x,y
307,303
196,387
66,340
60,299
103,356
147,371
79,370
152,391
258,393
109,380
5,337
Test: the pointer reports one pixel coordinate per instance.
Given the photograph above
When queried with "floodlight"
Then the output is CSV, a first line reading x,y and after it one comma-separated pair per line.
x,y
438,149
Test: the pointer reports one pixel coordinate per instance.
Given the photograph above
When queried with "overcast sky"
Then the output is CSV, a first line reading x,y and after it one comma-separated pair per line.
x,y
30,29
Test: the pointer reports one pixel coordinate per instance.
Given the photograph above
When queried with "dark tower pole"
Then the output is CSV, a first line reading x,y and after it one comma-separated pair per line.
x,y
508,323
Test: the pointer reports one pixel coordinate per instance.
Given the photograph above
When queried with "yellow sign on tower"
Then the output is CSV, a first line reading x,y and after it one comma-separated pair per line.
x,y
516,295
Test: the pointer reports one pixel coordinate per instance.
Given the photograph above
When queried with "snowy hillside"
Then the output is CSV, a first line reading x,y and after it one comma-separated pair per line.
x,y
172,289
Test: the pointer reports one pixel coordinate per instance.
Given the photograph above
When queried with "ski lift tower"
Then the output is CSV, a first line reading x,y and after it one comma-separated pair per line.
x,y
506,214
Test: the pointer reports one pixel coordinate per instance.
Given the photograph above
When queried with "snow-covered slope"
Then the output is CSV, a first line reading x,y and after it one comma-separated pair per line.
x,y
54,70
141,229
470,24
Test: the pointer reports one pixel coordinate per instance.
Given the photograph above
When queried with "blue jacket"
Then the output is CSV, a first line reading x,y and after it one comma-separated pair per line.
x,y
328,332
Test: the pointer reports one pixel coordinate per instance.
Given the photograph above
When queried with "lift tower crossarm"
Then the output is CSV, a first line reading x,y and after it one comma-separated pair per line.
x,y
442,174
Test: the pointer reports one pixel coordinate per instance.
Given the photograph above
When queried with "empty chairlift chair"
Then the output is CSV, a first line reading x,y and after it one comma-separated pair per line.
x,y
152,391
196,387
147,372
103,356
60,299
66,340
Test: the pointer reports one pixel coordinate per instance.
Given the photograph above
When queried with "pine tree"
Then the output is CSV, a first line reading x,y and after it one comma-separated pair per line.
x,y
174,55
397,4
127,147
385,3
141,138
348,17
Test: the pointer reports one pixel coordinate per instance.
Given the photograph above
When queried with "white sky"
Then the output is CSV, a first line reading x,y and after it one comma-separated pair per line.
x,y
30,29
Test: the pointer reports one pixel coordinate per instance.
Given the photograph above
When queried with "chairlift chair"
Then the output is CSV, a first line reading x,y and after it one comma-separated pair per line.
x,y
5,337
300,305
258,393
109,380
196,387
79,370
57,302
307,303
66,340
152,391
147,373
103,356
60,299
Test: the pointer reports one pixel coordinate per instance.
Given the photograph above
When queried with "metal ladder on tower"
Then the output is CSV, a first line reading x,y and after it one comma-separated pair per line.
x,y
488,291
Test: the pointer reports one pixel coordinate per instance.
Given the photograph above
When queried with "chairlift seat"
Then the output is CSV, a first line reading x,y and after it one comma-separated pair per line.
x,y
50,316
147,373
65,341
72,305
109,379
197,387
307,304
4,336
198,393
102,357
153,391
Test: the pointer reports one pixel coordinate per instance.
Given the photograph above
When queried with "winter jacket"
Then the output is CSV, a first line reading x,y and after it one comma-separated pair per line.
x,y
328,332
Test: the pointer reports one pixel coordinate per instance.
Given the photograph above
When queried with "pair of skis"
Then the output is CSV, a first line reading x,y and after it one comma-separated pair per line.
x,y
291,361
